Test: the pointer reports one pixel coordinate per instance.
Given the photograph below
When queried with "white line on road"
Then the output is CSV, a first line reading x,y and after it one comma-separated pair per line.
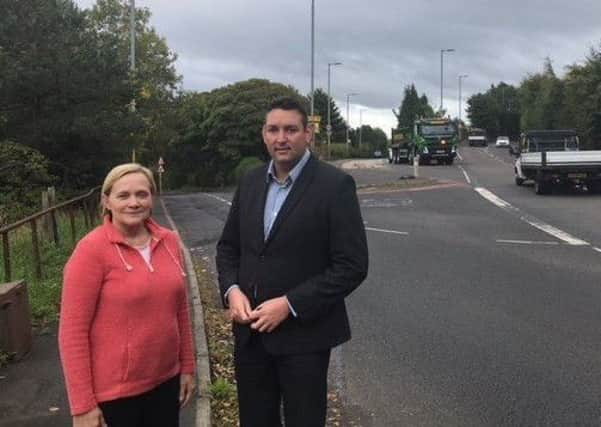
x,y
381,230
459,156
526,242
494,199
467,177
597,249
555,232
549,229
219,198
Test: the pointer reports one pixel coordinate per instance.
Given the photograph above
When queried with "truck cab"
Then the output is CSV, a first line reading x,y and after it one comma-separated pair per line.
x,y
434,139
477,136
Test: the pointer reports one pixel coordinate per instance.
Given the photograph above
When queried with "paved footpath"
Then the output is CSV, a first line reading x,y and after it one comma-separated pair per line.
x,y
32,391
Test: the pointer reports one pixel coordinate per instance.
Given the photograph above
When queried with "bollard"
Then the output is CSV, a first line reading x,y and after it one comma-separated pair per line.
x,y
416,166
15,319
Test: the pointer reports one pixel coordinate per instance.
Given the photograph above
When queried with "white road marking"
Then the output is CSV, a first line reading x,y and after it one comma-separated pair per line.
x,y
381,230
556,232
459,156
219,198
526,242
597,249
467,177
547,228
494,199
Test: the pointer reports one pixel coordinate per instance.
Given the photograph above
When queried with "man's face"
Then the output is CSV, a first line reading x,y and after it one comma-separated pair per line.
x,y
285,137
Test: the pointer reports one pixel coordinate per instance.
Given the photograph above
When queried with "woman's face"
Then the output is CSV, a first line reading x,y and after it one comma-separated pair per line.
x,y
130,201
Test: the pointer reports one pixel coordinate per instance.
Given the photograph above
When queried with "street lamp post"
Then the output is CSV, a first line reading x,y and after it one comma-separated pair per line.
x,y
329,127
348,122
459,78
312,57
442,52
132,62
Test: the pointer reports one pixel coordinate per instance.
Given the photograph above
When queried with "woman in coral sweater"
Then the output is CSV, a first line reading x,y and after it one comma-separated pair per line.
x,y
125,333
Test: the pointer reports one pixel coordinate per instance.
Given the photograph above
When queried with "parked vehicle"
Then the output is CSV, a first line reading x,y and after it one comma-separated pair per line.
x,y
398,151
552,157
434,139
477,136
502,141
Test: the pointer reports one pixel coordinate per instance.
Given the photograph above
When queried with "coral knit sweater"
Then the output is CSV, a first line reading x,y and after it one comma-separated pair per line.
x,y
124,324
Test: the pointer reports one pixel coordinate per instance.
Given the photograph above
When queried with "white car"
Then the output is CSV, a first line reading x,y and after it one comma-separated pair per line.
x,y
502,141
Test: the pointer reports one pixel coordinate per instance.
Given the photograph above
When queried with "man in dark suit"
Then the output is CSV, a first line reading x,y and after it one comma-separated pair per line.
x,y
293,247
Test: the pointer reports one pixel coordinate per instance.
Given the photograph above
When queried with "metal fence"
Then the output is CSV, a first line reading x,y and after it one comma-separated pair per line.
x,y
87,203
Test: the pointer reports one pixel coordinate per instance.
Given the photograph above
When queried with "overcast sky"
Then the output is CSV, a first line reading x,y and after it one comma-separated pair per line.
x,y
383,45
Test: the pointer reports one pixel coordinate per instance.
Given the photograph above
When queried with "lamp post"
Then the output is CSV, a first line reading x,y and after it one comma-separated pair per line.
x,y
312,57
348,123
329,127
459,78
442,52
132,62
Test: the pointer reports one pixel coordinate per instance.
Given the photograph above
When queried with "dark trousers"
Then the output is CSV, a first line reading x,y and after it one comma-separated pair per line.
x,y
158,407
265,380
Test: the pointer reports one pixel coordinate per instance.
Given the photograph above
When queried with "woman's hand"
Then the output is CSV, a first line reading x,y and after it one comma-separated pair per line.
x,y
92,418
186,388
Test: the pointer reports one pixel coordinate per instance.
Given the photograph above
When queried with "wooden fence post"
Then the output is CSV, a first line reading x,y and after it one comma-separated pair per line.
x,y
45,205
6,255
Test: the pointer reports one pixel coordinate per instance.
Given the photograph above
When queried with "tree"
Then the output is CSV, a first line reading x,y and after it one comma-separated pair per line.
x,y
338,123
541,98
496,110
223,127
23,176
66,85
412,107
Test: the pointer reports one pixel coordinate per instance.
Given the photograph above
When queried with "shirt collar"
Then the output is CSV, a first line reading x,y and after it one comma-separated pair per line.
x,y
294,173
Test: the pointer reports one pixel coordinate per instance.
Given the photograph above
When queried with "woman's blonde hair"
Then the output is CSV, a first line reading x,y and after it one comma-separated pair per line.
x,y
119,172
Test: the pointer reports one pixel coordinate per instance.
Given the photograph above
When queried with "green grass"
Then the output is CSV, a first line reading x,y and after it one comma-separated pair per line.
x,y
222,389
44,293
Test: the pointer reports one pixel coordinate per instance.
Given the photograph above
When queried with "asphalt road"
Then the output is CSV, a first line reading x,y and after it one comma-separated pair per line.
x,y
476,312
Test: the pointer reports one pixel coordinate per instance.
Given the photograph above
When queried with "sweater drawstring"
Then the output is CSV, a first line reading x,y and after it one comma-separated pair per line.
x,y
128,267
175,260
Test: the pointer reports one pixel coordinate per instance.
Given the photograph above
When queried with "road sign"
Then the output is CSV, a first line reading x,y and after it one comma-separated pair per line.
x,y
315,121
329,128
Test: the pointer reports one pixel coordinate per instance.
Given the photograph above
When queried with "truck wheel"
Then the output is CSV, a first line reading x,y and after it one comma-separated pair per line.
x,y
594,187
519,181
541,187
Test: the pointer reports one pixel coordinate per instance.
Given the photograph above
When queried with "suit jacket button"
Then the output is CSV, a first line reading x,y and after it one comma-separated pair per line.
x,y
262,257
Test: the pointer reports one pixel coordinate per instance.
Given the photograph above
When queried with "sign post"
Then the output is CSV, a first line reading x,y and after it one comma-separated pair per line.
x,y
161,170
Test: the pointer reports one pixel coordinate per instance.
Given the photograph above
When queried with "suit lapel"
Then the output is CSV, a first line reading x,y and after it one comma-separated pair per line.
x,y
299,187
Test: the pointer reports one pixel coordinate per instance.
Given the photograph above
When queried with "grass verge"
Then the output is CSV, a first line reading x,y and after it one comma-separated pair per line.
x,y
44,293
224,401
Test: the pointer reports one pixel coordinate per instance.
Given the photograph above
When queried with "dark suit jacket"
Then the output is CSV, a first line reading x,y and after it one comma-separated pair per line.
x,y
316,255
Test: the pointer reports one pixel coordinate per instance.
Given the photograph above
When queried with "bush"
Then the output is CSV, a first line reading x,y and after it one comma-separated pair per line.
x,y
23,176
246,164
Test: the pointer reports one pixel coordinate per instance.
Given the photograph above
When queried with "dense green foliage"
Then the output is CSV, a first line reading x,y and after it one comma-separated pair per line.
x,y
66,85
412,107
545,101
338,123
221,128
23,176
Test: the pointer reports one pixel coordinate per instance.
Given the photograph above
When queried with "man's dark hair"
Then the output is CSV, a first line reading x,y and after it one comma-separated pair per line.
x,y
290,104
